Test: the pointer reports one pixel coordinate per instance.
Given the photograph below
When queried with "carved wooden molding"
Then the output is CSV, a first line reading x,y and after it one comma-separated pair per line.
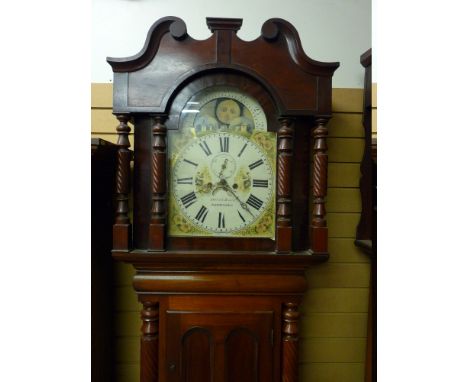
x,y
149,342
318,227
170,24
279,41
158,210
216,23
122,226
284,186
270,31
290,342
275,27
231,281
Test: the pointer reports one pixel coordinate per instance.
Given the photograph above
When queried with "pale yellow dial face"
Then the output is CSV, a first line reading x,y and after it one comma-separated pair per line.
x,y
222,169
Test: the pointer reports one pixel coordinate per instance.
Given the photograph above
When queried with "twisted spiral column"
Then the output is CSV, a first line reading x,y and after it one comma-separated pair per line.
x,y
122,227
284,187
318,226
158,174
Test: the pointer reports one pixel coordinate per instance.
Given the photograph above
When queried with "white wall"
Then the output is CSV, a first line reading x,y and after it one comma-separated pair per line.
x,y
330,30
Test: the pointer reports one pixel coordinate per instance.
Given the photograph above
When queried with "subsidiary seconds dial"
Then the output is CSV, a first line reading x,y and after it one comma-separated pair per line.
x,y
222,182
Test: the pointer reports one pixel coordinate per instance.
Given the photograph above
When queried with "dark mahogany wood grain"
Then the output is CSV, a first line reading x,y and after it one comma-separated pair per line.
x,y
122,226
242,355
158,178
197,358
284,186
161,68
149,343
237,344
319,229
290,342
196,259
142,185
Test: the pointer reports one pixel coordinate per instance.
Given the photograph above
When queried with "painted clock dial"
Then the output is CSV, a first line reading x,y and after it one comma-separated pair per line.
x,y
223,172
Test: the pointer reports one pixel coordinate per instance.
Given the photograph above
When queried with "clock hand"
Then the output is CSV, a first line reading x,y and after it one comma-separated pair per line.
x,y
223,167
227,188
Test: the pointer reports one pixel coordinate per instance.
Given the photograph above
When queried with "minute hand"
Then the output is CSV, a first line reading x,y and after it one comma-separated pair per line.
x,y
242,204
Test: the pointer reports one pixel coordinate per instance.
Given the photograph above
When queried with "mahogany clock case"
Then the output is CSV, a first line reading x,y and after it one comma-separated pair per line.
x,y
216,308
142,172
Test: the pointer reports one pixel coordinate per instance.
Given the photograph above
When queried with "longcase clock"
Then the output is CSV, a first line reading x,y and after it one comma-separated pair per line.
x,y
229,185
